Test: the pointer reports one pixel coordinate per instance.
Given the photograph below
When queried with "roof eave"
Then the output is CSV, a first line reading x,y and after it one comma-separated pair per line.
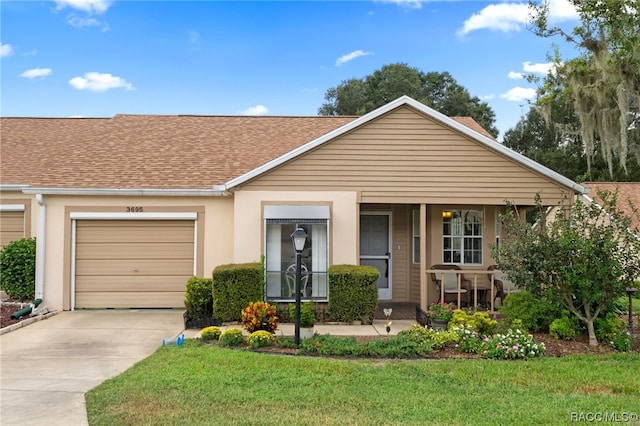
x,y
405,100
136,192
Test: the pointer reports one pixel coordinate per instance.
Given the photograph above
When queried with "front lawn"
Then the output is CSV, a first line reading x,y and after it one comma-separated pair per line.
x,y
205,384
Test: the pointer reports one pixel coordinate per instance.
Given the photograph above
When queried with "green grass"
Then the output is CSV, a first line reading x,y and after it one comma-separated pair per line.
x,y
201,384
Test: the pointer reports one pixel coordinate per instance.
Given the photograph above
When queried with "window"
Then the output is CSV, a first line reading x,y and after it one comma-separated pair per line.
x,y
462,236
416,236
280,256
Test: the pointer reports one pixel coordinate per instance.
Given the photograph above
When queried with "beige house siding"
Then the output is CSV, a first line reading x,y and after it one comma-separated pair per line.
x,y
405,156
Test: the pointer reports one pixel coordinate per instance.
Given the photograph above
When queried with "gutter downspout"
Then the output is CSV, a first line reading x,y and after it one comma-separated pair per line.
x,y
40,251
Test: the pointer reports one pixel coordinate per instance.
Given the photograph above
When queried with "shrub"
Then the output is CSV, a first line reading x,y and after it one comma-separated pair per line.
x,y
354,294
608,326
231,337
18,266
565,328
198,298
259,316
260,338
513,345
307,314
391,347
210,333
622,341
480,322
234,287
535,312
470,341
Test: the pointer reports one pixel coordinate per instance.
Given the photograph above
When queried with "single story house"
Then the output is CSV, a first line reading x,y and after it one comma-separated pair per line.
x,y
126,209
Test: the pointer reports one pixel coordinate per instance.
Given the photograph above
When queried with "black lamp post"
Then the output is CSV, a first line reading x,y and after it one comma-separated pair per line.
x,y
299,238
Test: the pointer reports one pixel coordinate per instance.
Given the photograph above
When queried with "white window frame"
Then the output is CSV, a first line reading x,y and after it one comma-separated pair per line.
x,y
415,238
461,237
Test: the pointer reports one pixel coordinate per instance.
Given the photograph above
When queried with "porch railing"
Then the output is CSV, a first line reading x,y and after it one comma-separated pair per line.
x,y
476,286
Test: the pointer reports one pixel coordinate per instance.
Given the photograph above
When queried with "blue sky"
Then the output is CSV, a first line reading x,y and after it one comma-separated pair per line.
x,y
98,58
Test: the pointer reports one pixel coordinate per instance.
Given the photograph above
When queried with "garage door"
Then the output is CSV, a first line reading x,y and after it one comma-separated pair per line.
x,y
133,263
11,225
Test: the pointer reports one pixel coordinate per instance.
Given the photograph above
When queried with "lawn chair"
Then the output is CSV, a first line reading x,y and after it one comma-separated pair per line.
x,y
291,280
499,285
450,281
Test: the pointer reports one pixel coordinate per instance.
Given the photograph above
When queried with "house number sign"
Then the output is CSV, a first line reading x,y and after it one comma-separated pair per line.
x,y
134,210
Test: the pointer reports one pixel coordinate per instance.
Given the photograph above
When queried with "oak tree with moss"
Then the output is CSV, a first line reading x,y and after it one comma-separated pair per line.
x,y
603,83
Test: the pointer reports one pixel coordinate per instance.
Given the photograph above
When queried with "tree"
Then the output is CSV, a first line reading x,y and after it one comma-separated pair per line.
x,y
603,84
585,256
562,151
439,91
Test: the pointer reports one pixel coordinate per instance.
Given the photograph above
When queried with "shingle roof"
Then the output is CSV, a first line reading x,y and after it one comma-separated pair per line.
x,y
627,191
147,151
152,151
473,125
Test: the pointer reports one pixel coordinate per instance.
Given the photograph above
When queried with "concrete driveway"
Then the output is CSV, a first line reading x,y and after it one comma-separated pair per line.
x,y
46,367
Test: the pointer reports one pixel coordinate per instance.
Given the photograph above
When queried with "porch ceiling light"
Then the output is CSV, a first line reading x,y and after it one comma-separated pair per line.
x,y
299,238
446,214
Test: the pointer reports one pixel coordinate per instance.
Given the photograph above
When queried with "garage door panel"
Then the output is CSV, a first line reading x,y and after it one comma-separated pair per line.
x,y
133,263
101,300
11,227
153,231
101,283
132,267
164,250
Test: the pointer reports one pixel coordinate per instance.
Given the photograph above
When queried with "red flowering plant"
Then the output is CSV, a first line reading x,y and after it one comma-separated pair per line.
x,y
259,316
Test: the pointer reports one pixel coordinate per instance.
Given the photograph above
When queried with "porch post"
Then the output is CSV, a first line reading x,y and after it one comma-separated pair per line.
x,y
423,258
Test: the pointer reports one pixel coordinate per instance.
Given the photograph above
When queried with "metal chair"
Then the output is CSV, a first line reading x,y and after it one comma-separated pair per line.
x,y
291,280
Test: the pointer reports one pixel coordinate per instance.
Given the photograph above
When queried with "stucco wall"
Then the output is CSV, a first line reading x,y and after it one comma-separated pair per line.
x,y
249,224
215,215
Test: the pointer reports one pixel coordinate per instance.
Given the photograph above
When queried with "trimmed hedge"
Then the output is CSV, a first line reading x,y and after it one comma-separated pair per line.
x,y
18,266
235,286
354,294
198,298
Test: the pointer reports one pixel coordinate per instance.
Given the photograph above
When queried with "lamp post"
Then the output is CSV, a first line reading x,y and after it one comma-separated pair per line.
x,y
299,238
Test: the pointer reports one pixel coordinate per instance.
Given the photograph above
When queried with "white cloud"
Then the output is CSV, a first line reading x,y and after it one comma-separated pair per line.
x,y
79,22
562,10
36,72
514,16
487,97
350,57
5,50
538,68
410,4
256,110
89,6
519,94
99,82
503,17
515,75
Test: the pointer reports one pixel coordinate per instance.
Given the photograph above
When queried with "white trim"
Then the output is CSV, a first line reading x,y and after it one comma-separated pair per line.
x,y
405,100
11,207
73,265
134,216
132,192
296,212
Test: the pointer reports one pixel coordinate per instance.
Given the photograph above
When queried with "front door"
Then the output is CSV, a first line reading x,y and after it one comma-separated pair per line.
x,y
375,248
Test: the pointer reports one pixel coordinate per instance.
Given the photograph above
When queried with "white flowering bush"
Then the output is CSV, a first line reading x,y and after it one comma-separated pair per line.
x,y
469,340
514,344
